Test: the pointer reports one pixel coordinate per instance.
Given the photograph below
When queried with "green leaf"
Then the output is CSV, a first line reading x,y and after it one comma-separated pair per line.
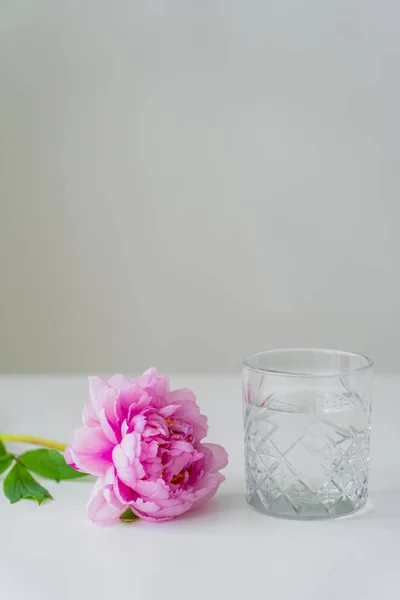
x,y
5,462
19,484
50,464
2,449
128,516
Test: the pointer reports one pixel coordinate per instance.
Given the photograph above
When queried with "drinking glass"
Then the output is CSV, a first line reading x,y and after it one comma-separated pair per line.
x,y
307,415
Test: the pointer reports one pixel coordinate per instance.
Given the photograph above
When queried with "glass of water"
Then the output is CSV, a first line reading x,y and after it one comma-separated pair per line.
x,y
307,420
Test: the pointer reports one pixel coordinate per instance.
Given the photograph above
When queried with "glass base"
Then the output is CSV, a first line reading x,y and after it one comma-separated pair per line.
x,y
284,507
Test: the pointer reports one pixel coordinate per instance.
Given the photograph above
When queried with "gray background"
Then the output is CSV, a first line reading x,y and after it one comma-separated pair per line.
x,y
185,182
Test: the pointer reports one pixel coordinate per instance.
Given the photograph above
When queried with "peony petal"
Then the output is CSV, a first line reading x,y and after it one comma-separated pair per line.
x,y
179,446
98,510
96,386
207,489
110,477
174,510
181,395
188,411
216,457
131,445
178,464
168,411
109,491
124,428
107,428
203,490
124,467
118,381
112,501
124,493
152,449
132,400
147,507
152,372
164,514
126,459
152,378
90,450
89,416
153,489
127,496
70,458
156,425
146,517
138,423
103,396
108,402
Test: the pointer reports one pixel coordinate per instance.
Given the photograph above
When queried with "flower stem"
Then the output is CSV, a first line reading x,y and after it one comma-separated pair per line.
x,y
29,439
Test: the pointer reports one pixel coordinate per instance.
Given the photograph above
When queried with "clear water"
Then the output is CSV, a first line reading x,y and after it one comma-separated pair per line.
x,y
307,453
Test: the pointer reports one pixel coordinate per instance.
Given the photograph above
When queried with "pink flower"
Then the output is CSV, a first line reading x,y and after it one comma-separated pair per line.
x,y
144,443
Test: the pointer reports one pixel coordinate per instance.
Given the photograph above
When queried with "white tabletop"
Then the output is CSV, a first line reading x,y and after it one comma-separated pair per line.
x,y
225,550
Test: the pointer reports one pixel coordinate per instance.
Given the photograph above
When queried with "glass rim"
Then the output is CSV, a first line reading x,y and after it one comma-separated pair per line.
x,y
290,373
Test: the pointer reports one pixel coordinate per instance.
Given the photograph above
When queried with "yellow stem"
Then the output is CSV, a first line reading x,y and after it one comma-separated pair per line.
x,y
29,439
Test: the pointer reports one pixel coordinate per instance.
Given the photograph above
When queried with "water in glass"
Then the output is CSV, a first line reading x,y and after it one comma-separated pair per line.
x,y
307,452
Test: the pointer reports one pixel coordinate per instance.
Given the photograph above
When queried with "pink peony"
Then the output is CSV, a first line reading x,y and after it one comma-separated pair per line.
x,y
144,443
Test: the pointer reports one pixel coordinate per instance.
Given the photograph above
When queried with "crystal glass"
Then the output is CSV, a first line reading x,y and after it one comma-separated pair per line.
x,y
307,416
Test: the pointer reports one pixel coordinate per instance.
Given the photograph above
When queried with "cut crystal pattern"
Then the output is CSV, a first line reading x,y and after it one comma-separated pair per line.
x,y
307,464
